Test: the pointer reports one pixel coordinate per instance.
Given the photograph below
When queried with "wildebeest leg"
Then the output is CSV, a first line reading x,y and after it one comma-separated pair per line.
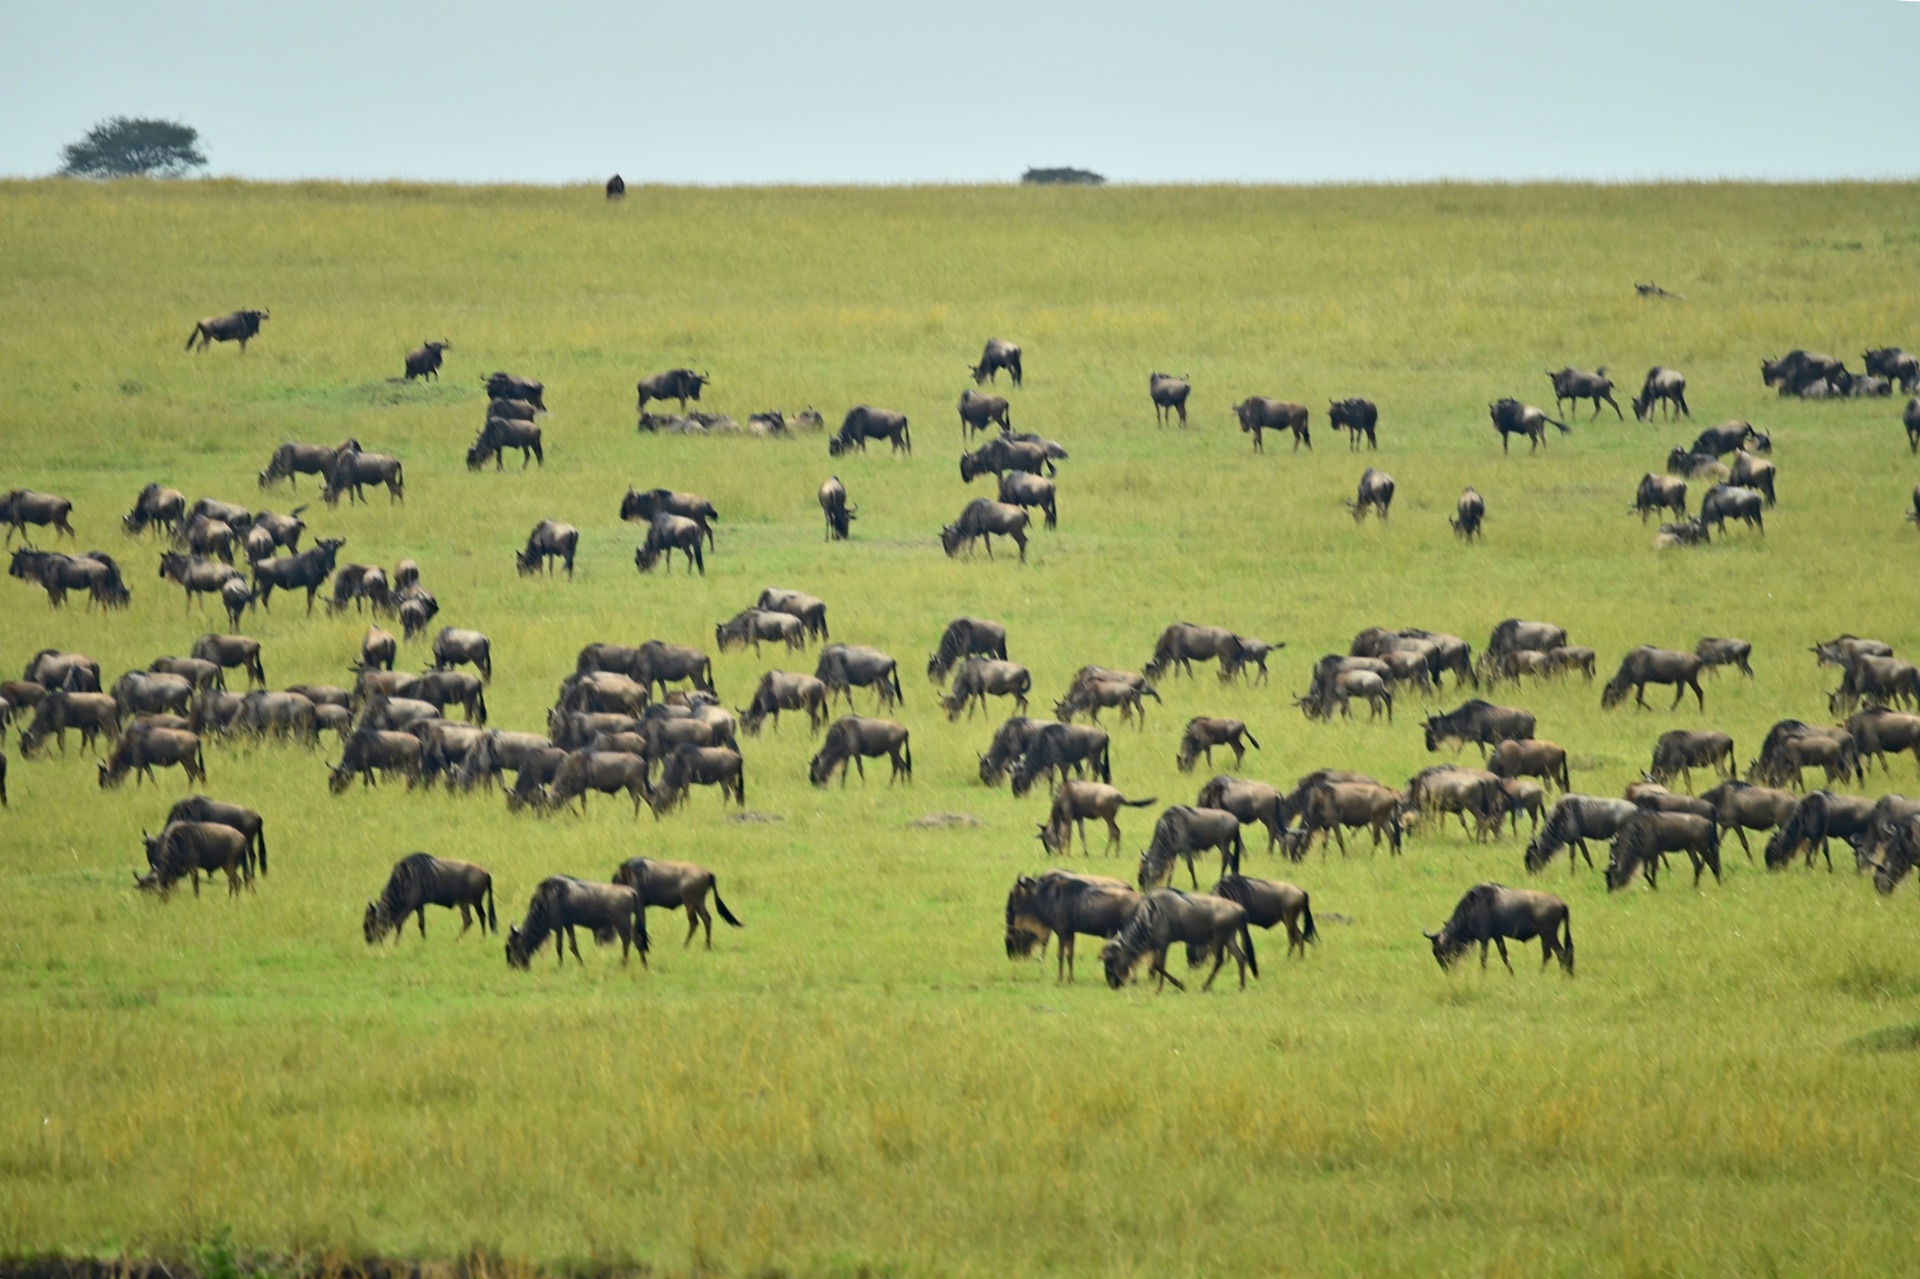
x,y
1063,957
421,911
1740,832
1160,967
1190,874
1501,942
574,941
1698,695
1113,837
1219,961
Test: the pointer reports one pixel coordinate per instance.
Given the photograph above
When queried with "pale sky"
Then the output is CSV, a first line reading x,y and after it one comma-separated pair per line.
x,y
856,91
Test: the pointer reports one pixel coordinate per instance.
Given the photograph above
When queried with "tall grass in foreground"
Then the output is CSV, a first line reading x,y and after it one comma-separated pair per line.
x,y
859,1079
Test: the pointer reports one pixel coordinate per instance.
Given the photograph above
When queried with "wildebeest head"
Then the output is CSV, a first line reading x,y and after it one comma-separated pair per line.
x,y
1446,947
519,954
950,537
375,924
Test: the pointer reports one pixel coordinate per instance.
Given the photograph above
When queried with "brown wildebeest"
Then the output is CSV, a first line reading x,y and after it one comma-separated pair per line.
x,y
232,652
1511,417
1666,387
1843,649
1728,437
1718,652
856,738
1183,831
1571,657
1250,802
654,662
1338,692
985,519
420,880
1448,788
199,808
1570,386
1009,746
1258,413
96,573
199,673
196,576
1469,513
354,470
1357,417
1376,495
1821,816
1660,492
537,771
1169,396
1004,453
1054,748
784,691
834,506
424,362
1531,757
1791,746
864,422
643,506
1750,472
687,766
980,678
1573,821
1494,913
1688,533
21,507
550,540
184,849
1183,643
1638,846
446,688
156,507
285,530
1073,804
1741,806
996,356
1333,807
674,384
292,460
1879,731
369,750
755,626
1209,926
51,669
810,609
1267,902
505,386
667,534
562,903
61,709
1797,369
456,647
207,537
608,772
676,886
978,412
844,667
152,693
1519,797
1881,681
1648,665
1062,904
1092,697
234,326
501,434
1684,750
1724,502
1204,732
1696,466
966,637
138,753
1515,635
1018,488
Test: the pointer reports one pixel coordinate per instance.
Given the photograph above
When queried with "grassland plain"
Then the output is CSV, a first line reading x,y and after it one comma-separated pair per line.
x,y
859,1081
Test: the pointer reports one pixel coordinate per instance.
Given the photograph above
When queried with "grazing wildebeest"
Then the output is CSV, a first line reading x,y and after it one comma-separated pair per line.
x,y
996,356
1494,913
200,674
784,691
292,460
1821,816
755,626
1894,364
688,765
505,386
676,886
512,410
980,678
1001,454
1183,831
1571,657
810,609
424,362
1064,905
1336,690
1009,746
833,505
1093,696
1357,417
1330,807
1469,513
420,880
52,669
1376,495
232,652
978,412
1573,821
61,709
1076,801
1482,723
1510,417
196,576
864,422
1018,488
234,326
309,570
1257,413
1660,492
667,534
1054,748
1211,927
1664,386
654,662
985,519
1723,502
549,540
855,738
184,849
199,808
1531,757
1169,396
843,667
150,693
1796,369
1715,653
1696,466
1879,731
354,470
156,507
1514,635
455,647
1728,437
21,507
1267,902
1881,681
1183,643
1250,802
1570,386
369,750
1642,838
643,506
1648,665
1791,745
674,384
210,538
1442,652
966,637
1204,732
501,434
139,752
561,903
1843,649
1254,652
608,772
1683,750
1741,806
1448,788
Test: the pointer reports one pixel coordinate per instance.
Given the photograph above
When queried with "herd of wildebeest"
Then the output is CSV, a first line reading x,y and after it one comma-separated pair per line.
x,y
647,721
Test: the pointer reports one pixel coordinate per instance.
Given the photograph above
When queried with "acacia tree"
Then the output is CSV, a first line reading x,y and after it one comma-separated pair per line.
x,y
124,148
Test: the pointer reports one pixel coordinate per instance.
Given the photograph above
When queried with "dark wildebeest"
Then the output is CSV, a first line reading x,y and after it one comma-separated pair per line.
x,y
1660,492
1514,635
1482,723
667,534
1064,905
674,384
156,507
1894,364
1642,838
856,738
784,691
1688,533
756,626
369,750
1859,386
232,652
1494,913
1666,387
1881,681
1648,665
1357,417
1257,413
1725,652
1899,852
1009,746
1204,732
1795,370
1723,502
1728,437
676,886
354,470
513,410
1335,690
549,540
1002,454
608,772
1183,831
864,422
1469,513
642,507
1054,748
234,326
1211,927
309,570
810,609
1076,801
843,667
196,576
1570,386
688,765
505,386
285,530
1879,731
1267,902
1093,696
420,880
833,505
1183,643
455,647
985,519
980,678
616,187
1791,746
1169,396
1251,802
1750,472
996,356
1573,821
1741,806
1843,649
654,662
1696,466
966,637
1911,420
561,903
424,362
978,412
150,693
444,688
184,849
1329,807
1018,488
61,709
210,538
199,808
501,434
198,672
290,461
1511,417
1684,750
1376,495
21,507
52,669
139,752
1821,816
96,573
1531,757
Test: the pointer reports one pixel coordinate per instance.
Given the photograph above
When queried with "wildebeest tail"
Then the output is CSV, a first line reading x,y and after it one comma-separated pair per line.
x,y
1564,428
261,837
191,336
1148,802
493,921
1053,515
1251,742
1246,944
1307,931
1148,690
893,674
721,906
906,748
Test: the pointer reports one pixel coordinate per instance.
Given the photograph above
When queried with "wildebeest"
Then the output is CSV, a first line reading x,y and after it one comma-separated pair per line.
x,y
1880,681
1683,750
1250,802
1821,816
232,652
1791,746
1209,926
1093,696
1064,905
368,751
1169,396
284,530
985,519
91,713
654,662
1183,643
1666,387
21,507
1911,420
1442,652
210,538
1257,413
864,422
996,356
199,673
1052,749
1331,808
1267,902
785,691
1860,386
96,573
1642,838
51,669
1336,691
1531,757
1570,386
978,412
1204,732
1494,913
550,540
1660,492
1513,635
1841,650
234,326
1004,453
505,386
1376,495
1750,472
1510,417
1723,502
1879,731
981,678
1357,417
420,880
856,738
199,808
155,507
674,384
1469,513
562,903
1728,437
608,772
1183,831
1482,723
1894,364
676,886
1741,806
641,506
309,569
667,534
755,626
147,693
353,470
140,752
1018,488
1573,821
1076,801
1009,746
1717,652
843,667
688,765
833,505
292,460
810,609
1648,665
424,362
1798,368
182,850
966,637
501,434
196,576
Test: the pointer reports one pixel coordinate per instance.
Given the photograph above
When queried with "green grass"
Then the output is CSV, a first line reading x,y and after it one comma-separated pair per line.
x,y
859,1082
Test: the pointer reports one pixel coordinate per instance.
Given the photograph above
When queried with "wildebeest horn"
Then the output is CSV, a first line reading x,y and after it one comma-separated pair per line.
x,y
1430,936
